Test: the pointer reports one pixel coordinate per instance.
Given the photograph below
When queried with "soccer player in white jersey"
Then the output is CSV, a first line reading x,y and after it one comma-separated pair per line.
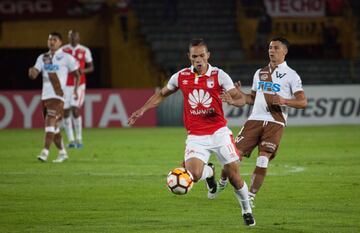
x,y
275,88
201,86
55,66
72,106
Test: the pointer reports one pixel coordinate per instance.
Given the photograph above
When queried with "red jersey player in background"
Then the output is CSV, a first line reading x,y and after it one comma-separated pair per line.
x,y
201,86
72,106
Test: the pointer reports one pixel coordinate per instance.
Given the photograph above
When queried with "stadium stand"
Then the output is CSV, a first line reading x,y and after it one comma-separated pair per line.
x,y
217,22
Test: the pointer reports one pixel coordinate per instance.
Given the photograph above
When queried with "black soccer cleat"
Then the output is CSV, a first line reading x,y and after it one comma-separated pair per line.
x,y
211,183
249,219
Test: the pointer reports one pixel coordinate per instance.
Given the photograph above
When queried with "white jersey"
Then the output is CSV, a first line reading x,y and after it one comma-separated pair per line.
x,y
57,67
284,82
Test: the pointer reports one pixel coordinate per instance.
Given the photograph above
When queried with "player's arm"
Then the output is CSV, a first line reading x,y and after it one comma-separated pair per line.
x,y
76,74
300,100
33,73
250,98
152,102
234,96
89,67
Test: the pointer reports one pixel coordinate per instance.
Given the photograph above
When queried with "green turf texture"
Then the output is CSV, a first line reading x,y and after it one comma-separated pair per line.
x,y
116,183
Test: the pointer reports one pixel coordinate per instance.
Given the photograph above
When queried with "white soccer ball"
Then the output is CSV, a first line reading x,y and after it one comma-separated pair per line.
x,y
179,181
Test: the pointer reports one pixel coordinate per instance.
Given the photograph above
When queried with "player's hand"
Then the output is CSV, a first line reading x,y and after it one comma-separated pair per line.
x,y
226,97
278,100
134,116
238,85
33,73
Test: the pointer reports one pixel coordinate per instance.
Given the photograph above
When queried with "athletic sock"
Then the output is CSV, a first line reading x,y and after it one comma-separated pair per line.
x,y
69,129
243,197
78,128
207,172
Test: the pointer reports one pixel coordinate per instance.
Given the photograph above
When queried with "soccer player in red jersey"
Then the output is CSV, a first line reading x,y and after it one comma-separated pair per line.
x,y
201,86
72,106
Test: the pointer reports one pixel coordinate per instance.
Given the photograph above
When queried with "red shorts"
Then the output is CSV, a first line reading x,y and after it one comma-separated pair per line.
x,y
263,134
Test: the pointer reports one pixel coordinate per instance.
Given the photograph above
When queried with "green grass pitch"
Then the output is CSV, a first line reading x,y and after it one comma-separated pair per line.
x,y
116,183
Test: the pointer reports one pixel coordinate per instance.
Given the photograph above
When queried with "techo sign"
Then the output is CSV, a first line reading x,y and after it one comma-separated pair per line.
x,y
337,104
102,108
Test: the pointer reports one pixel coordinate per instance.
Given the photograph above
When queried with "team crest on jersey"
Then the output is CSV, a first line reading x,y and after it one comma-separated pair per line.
x,y
47,58
199,97
263,77
279,75
210,82
185,82
80,56
59,57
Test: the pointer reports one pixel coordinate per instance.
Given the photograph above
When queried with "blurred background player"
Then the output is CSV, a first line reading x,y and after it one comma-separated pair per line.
x,y
276,87
201,86
55,66
72,106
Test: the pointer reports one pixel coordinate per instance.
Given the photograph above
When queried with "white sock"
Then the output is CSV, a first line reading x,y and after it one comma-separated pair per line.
x,y
69,129
207,172
45,151
62,151
78,128
222,182
243,197
252,194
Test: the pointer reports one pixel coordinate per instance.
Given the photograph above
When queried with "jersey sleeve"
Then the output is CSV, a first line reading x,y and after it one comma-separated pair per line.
x,y
225,81
73,64
173,82
88,56
296,83
39,63
256,76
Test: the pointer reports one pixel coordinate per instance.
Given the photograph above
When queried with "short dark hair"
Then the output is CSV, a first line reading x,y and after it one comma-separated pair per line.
x,y
57,34
197,42
282,40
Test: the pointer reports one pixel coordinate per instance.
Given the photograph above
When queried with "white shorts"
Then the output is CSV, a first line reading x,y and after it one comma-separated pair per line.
x,y
221,143
69,100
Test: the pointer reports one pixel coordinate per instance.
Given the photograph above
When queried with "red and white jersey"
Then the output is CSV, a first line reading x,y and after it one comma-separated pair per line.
x,y
83,55
203,113
282,81
55,69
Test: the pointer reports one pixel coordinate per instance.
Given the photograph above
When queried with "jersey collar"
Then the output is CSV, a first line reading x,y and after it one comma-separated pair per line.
x,y
208,72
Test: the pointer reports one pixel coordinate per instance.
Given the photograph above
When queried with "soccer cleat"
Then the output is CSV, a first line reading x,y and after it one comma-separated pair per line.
x,y
42,157
61,158
249,219
79,145
211,183
252,201
72,145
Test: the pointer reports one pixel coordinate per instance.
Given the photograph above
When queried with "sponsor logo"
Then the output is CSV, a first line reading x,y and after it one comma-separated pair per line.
x,y
202,111
198,97
59,57
51,67
185,73
279,75
268,86
269,145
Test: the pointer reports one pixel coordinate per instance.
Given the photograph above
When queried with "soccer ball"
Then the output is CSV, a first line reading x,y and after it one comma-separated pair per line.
x,y
179,181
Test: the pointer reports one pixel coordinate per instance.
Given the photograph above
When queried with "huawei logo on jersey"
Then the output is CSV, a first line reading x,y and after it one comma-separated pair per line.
x,y
199,97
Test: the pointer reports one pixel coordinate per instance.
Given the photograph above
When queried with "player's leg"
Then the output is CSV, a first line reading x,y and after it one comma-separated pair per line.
x,y
77,126
196,160
268,145
50,115
76,105
67,121
245,142
227,154
58,140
